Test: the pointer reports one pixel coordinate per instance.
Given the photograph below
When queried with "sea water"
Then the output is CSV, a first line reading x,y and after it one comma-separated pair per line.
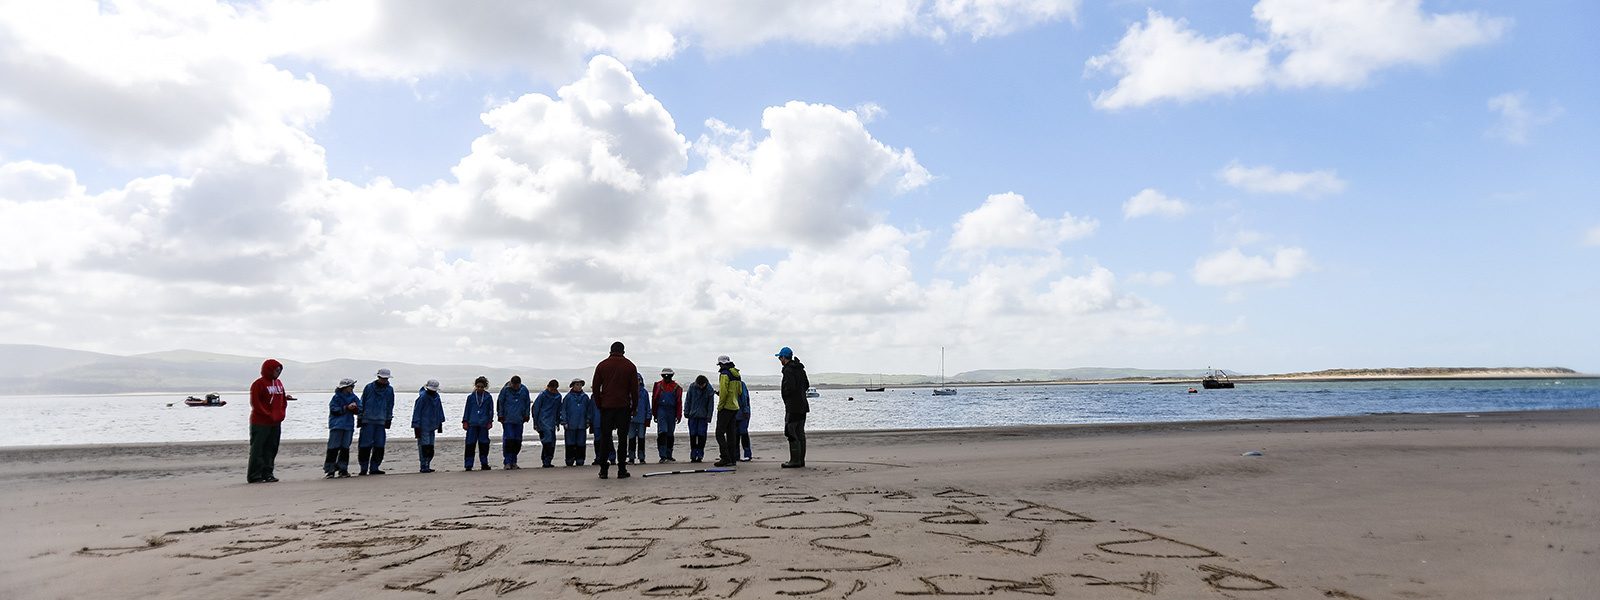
x,y
142,418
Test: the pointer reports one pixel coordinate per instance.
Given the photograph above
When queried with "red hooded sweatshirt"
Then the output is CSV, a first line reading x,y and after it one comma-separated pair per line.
x,y
267,398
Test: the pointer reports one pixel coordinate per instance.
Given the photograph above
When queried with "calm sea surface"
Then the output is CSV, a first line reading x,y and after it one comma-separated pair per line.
x,y
129,418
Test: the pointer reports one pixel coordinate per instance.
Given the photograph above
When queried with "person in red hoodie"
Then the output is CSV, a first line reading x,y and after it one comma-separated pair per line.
x,y
267,403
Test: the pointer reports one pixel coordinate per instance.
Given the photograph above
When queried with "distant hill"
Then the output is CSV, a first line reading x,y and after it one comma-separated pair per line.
x,y
27,369
1431,372
1080,373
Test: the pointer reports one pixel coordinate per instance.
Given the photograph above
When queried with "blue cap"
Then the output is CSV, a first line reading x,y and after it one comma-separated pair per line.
x,y
785,353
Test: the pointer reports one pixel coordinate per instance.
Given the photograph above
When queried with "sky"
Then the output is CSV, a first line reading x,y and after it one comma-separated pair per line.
x,y
1267,186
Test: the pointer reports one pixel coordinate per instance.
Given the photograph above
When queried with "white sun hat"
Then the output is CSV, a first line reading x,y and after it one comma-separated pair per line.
x,y
667,371
383,373
432,385
722,360
346,382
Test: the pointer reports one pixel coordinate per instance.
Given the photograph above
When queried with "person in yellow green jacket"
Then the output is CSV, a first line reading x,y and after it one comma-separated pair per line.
x,y
729,387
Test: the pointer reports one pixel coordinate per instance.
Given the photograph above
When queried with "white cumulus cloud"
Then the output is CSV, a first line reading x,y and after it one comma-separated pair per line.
x,y
1593,237
28,180
1267,180
406,39
1517,118
574,219
1232,266
151,81
1006,221
1308,43
1163,59
1151,202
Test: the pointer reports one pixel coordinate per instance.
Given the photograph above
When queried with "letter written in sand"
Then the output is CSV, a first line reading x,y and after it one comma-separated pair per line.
x,y
885,494
677,525
466,522
595,588
231,525
1155,546
672,500
501,587
1033,511
604,554
572,499
241,547
833,519
675,590
1028,546
821,585
958,494
735,557
789,498
490,501
1223,578
554,524
952,515
367,548
150,543
432,567
971,585
1147,583
879,560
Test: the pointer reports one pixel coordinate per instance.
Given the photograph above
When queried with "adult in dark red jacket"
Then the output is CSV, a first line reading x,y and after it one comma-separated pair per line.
x,y
616,394
267,404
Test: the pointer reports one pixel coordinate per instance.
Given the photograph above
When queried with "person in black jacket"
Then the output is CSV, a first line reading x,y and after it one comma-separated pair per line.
x,y
795,406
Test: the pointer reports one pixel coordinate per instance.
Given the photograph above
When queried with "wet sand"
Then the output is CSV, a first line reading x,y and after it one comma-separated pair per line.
x,y
1497,505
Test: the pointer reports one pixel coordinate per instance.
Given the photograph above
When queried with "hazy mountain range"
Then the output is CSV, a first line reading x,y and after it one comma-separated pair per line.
x,y
28,369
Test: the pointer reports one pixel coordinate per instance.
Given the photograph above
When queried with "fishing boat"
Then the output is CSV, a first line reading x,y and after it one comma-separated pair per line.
x,y
813,393
942,390
873,388
1216,379
212,399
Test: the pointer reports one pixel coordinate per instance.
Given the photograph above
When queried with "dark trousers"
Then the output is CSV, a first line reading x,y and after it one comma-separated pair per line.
x,y
613,425
727,435
794,428
697,437
575,455
511,442
477,438
263,451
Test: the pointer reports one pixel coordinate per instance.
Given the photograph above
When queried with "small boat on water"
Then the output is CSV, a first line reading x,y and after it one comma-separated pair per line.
x,y
942,391
1216,379
873,387
212,399
813,393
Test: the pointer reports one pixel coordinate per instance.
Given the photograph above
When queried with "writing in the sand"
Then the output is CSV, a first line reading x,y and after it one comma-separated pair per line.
x,y
860,542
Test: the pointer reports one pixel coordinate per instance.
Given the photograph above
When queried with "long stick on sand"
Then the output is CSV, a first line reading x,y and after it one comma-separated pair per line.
x,y
687,471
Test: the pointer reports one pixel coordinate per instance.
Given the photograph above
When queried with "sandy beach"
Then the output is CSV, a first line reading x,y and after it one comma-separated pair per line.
x,y
1497,505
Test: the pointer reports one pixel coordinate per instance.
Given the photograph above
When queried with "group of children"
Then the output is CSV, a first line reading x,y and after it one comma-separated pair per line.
x,y
666,403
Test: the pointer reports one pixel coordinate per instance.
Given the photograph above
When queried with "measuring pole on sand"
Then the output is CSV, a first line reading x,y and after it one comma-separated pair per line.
x,y
688,471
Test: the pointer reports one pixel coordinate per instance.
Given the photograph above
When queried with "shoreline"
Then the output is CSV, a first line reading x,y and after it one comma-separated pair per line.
x,y
1008,430
1480,376
1196,381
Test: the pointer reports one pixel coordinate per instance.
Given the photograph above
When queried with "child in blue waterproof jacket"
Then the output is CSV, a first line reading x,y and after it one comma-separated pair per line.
x,y
478,418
